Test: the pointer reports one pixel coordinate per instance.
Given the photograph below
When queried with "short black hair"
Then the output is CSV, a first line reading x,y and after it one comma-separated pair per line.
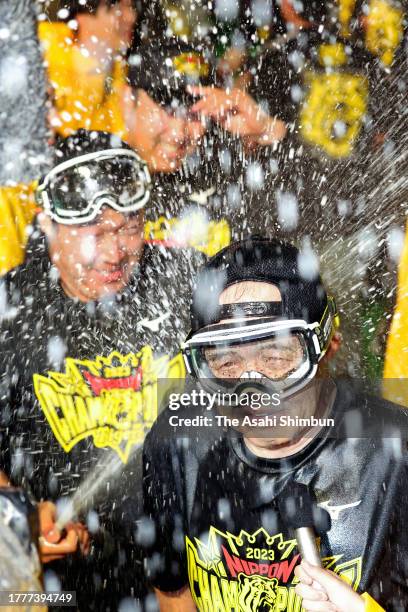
x,y
74,7
86,141
154,69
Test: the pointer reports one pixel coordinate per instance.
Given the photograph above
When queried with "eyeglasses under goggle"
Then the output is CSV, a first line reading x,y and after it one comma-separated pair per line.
x,y
74,191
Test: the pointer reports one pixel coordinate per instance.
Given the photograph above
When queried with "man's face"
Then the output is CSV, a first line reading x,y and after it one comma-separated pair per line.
x,y
97,259
273,358
161,138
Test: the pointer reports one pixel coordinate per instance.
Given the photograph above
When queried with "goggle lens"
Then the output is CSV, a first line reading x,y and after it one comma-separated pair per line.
x,y
275,358
76,193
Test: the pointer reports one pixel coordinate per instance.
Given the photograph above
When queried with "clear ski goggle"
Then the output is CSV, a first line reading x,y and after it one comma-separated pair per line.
x,y
264,355
74,191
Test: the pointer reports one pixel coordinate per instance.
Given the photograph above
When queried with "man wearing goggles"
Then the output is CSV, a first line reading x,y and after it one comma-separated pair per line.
x,y
223,537
90,321
93,202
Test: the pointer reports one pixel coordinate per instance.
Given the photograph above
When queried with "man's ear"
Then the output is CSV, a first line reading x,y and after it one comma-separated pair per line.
x,y
334,346
47,226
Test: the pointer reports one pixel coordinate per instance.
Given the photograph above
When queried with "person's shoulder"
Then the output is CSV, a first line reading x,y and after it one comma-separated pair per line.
x,y
55,35
11,284
11,308
387,411
369,415
22,288
21,276
393,417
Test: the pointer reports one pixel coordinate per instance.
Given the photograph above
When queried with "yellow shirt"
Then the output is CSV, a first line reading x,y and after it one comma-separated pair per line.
x,y
17,208
83,95
395,384
336,95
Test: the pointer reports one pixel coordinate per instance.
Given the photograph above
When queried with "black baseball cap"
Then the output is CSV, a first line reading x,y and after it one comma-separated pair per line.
x,y
84,141
164,69
258,259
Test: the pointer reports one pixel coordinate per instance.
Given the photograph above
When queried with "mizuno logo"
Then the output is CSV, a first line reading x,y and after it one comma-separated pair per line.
x,y
334,511
201,197
154,324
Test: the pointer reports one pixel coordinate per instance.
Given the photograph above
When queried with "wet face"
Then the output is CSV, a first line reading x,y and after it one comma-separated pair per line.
x,y
273,358
161,138
97,259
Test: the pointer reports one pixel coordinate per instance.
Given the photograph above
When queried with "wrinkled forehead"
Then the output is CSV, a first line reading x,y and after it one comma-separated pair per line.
x,y
250,291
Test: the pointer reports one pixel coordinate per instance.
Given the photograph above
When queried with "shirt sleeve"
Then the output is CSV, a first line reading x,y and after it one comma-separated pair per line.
x,y
163,514
8,380
17,208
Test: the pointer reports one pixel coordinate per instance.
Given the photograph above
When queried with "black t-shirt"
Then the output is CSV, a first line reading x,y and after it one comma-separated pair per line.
x,y
79,392
212,506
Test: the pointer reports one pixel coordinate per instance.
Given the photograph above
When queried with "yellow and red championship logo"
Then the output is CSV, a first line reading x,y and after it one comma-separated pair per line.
x,y
252,571
114,399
